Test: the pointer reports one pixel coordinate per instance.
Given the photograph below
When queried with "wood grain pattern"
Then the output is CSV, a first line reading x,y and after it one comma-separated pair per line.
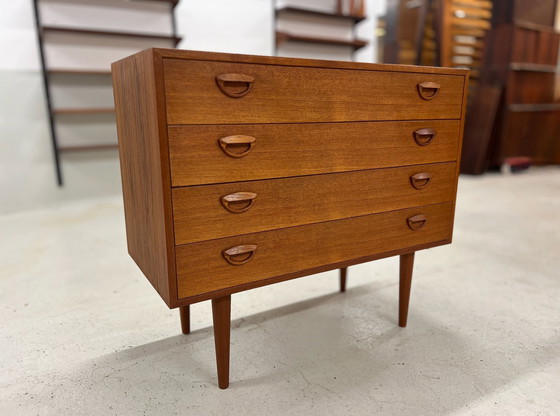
x,y
201,267
199,214
145,170
301,62
405,282
284,94
283,150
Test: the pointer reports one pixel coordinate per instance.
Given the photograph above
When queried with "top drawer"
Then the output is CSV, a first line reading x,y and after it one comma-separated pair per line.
x,y
208,92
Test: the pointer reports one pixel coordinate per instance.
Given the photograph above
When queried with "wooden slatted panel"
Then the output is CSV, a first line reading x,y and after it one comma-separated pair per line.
x,y
464,25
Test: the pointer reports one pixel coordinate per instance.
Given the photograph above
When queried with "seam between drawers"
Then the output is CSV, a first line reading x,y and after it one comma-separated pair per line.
x,y
314,174
319,222
317,122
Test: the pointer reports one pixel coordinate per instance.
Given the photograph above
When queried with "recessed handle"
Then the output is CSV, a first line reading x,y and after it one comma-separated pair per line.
x,y
240,255
424,137
416,222
237,146
235,85
420,180
428,90
239,202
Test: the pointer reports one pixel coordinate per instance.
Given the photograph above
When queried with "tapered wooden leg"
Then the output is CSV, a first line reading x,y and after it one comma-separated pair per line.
x,y
185,314
406,264
221,313
343,279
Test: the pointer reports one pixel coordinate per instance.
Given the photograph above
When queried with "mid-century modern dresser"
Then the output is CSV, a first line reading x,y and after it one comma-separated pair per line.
x,y
242,171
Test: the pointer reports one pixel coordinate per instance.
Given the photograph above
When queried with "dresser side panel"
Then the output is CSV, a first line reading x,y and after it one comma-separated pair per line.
x,y
144,169
460,149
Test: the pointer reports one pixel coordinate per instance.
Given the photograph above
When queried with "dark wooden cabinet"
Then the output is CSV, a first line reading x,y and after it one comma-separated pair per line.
x,y
541,12
520,62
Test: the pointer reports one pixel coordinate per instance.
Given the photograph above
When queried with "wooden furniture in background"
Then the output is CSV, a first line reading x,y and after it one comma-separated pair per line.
x,y
520,60
77,43
447,33
242,171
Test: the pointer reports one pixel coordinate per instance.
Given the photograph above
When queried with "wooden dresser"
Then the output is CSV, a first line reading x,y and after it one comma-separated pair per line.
x,y
241,171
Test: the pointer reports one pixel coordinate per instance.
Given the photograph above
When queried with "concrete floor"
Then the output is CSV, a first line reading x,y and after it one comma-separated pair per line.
x,y
83,333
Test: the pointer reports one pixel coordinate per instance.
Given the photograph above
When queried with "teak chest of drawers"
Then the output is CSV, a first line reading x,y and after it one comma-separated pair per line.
x,y
242,171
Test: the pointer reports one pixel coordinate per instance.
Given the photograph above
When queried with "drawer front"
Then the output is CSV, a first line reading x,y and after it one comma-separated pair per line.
x,y
216,211
228,262
206,92
283,150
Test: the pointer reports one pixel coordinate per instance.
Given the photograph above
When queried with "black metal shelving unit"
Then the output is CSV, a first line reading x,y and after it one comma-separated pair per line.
x,y
47,71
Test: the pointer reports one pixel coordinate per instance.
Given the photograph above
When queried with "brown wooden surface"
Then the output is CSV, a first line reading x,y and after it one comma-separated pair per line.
x,y
88,148
201,267
284,150
522,58
144,170
221,316
478,129
185,316
343,274
75,30
540,12
310,12
530,87
355,44
83,111
405,281
531,134
64,71
287,94
199,214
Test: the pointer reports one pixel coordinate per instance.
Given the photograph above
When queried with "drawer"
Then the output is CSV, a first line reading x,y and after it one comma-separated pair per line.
x,y
206,92
283,150
217,211
212,265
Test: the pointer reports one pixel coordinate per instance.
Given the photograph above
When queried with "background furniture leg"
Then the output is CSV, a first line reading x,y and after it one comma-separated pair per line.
x,y
185,314
221,314
406,264
343,279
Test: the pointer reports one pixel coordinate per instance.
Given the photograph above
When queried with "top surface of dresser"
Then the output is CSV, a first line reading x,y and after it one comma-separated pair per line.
x,y
328,150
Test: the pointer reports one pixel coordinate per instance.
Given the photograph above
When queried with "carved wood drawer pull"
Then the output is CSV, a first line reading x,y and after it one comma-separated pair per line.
x,y
428,90
239,202
424,137
237,146
420,180
416,222
235,85
240,255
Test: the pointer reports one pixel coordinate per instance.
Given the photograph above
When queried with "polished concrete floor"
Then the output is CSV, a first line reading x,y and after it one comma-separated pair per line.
x,y
83,333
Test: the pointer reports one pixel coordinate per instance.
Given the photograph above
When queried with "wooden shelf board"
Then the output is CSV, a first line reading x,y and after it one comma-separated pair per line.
x,y
534,107
534,26
173,2
282,37
88,148
531,67
59,29
311,12
79,71
61,111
